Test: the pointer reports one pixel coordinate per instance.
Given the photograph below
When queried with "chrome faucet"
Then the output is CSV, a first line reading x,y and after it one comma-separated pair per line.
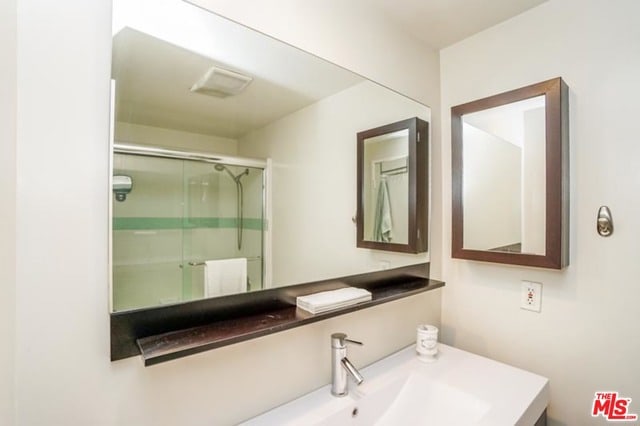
x,y
340,365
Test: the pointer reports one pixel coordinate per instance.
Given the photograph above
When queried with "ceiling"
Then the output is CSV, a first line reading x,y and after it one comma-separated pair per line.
x,y
153,78
440,23
155,61
507,122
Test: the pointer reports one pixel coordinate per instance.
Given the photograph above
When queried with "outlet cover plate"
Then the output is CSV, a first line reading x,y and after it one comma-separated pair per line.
x,y
531,296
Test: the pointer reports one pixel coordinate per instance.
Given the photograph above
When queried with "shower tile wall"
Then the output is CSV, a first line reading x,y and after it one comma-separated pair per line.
x,y
177,212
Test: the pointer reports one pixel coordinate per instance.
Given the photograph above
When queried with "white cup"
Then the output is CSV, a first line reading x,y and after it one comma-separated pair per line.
x,y
427,341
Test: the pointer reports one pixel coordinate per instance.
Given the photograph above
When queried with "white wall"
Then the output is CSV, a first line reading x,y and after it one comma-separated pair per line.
x,y
7,206
61,293
314,183
62,363
491,190
585,339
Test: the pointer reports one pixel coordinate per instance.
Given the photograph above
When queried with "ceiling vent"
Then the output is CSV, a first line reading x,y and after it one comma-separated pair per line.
x,y
221,83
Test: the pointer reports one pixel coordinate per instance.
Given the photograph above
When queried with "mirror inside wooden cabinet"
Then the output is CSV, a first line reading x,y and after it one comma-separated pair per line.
x,y
510,177
393,187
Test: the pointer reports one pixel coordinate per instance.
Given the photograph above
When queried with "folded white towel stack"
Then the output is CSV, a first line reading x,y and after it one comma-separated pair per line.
x,y
333,299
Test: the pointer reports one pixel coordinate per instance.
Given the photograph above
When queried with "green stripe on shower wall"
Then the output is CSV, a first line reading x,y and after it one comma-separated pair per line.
x,y
222,222
227,222
149,223
137,223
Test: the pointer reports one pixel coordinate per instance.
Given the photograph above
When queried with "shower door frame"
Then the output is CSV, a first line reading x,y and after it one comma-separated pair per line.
x,y
153,151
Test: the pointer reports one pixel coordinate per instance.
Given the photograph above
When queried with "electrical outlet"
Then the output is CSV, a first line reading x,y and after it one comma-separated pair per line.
x,y
531,296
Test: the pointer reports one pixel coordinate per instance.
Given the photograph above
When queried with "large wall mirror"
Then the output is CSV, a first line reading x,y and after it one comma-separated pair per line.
x,y
234,162
510,177
393,186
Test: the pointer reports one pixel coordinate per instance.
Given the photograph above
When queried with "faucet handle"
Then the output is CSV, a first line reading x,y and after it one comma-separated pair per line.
x,y
338,340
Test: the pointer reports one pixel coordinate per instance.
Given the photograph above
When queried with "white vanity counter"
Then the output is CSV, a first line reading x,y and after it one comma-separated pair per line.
x,y
459,388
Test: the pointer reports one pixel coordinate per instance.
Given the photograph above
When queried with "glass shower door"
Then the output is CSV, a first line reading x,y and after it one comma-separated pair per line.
x,y
223,220
147,233
178,215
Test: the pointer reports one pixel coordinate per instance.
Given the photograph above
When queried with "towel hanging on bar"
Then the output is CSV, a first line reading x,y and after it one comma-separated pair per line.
x,y
382,225
228,276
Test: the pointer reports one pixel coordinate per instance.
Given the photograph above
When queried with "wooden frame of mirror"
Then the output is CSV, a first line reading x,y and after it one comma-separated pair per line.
x,y
418,193
556,255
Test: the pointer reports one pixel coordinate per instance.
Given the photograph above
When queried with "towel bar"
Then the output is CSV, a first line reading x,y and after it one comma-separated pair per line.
x,y
203,263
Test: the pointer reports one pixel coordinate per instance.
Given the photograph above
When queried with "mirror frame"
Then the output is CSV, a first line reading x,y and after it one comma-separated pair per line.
x,y
418,186
557,176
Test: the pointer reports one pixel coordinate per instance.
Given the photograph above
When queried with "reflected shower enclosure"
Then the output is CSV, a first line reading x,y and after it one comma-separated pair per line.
x,y
178,214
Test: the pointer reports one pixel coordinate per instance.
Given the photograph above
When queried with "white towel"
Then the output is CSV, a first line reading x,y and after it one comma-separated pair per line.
x,y
382,226
333,299
225,276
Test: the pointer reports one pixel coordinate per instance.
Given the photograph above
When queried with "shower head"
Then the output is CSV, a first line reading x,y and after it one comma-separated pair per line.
x,y
223,168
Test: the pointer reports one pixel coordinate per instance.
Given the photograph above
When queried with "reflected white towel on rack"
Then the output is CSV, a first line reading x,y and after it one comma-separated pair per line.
x,y
382,226
225,276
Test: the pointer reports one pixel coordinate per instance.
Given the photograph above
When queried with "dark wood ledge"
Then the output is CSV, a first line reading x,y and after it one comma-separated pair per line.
x,y
166,333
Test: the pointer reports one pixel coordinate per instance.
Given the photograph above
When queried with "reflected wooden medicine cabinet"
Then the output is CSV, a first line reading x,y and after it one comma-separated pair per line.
x,y
393,187
510,177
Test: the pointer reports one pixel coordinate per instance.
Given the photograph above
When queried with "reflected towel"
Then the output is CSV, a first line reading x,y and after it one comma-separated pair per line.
x,y
225,276
333,299
382,224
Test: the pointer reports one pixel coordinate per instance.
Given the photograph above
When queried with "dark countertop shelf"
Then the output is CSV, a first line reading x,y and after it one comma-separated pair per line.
x,y
176,344
168,332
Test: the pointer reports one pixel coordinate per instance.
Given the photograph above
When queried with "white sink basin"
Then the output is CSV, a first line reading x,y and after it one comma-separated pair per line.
x,y
460,388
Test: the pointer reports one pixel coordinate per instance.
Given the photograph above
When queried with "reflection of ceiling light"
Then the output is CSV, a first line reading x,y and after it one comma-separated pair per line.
x,y
221,83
